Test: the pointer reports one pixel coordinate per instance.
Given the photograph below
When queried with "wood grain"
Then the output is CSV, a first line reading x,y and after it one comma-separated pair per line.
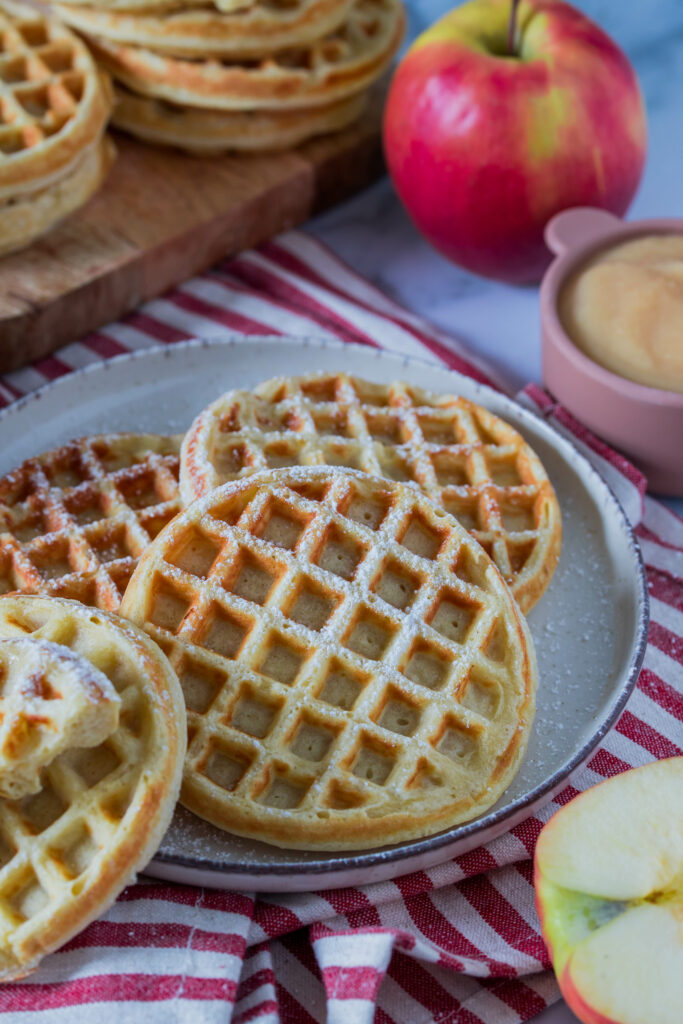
x,y
161,217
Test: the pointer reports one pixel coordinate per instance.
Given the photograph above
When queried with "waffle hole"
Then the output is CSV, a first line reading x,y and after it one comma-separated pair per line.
x,y
340,454
369,512
330,423
92,765
400,717
420,538
282,662
342,798
504,471
481,696
370,635
7,851
225,768
519,554
282,529
254,716
385,428
396,586
57,59
496,644
453,617
224,634
428,666
465,510
29,898
371,765
76,851
200,685
312,607
254,581
395,467
340,554
340,688
169,606
55,559
436,430
281,454
457,744
312,741
197,555
42,810
283,794
450,469
517,517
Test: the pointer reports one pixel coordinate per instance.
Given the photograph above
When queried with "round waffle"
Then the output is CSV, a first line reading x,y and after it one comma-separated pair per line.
x,y
74,521
53,101
355,669
210,132
50,700
342,63
31,215
264,28
148,6
467,460
67,852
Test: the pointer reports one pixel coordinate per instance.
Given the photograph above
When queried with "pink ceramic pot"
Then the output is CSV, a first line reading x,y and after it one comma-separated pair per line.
x,y
645,423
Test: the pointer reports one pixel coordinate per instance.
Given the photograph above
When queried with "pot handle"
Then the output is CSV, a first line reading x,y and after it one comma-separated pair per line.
x,y
578,227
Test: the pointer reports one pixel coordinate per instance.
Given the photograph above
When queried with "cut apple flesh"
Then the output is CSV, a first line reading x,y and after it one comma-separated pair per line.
x,y
609,891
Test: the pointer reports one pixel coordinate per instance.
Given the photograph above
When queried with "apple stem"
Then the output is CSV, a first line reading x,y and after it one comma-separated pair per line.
x,y
512,28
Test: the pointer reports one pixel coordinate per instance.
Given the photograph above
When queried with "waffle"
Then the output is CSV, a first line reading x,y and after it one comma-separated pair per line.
x,y
469,461
67,852
50,701
31,215
355,670
146,6
74,521
54,104
210,132
266,27
333,68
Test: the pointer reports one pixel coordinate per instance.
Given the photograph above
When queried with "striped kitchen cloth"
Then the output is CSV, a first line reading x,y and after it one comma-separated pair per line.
x,y
459,943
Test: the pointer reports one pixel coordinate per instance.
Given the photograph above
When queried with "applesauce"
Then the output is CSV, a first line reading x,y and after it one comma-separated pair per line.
x,y
624,309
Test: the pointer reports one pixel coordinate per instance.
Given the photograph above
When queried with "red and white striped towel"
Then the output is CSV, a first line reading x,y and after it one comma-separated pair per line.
x,y
459,943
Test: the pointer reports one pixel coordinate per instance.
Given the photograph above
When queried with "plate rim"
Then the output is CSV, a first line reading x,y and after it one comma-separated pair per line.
x,y
365,860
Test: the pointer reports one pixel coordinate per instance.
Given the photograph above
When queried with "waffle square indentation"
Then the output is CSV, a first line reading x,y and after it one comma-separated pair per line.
x,y
453,616
283,661
311,606
396,585
341,689
197,554
225,767
369,635
340,554
373,765
427,665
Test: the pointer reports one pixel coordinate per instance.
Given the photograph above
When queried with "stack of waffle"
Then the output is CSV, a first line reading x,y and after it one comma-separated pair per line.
x,y
244,75
54,106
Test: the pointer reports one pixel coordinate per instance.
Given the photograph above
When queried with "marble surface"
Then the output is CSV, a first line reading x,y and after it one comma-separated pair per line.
x,y
501,322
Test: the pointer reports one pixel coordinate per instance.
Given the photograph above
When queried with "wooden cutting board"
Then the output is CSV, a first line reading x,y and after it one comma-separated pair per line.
x,y
161,217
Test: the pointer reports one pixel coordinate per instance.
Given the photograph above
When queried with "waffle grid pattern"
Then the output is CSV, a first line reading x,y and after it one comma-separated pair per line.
x,y
74,521
381,665
475,466
52,101
54,845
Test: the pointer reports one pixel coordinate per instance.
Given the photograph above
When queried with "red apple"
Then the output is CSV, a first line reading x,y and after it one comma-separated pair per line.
x,y
485,145
609,892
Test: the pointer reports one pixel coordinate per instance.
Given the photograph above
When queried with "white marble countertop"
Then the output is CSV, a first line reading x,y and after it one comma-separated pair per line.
x,y
500,322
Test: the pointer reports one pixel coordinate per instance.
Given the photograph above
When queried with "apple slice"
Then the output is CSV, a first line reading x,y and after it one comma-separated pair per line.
x,y
609,892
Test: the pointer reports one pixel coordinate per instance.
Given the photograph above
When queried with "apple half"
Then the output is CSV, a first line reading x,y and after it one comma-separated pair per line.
x,y
608,874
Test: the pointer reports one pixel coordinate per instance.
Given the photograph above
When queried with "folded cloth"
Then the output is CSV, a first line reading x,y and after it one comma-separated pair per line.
x,y
459,943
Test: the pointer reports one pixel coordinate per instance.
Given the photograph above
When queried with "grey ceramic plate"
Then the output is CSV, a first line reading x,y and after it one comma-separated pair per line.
x,y
589,629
